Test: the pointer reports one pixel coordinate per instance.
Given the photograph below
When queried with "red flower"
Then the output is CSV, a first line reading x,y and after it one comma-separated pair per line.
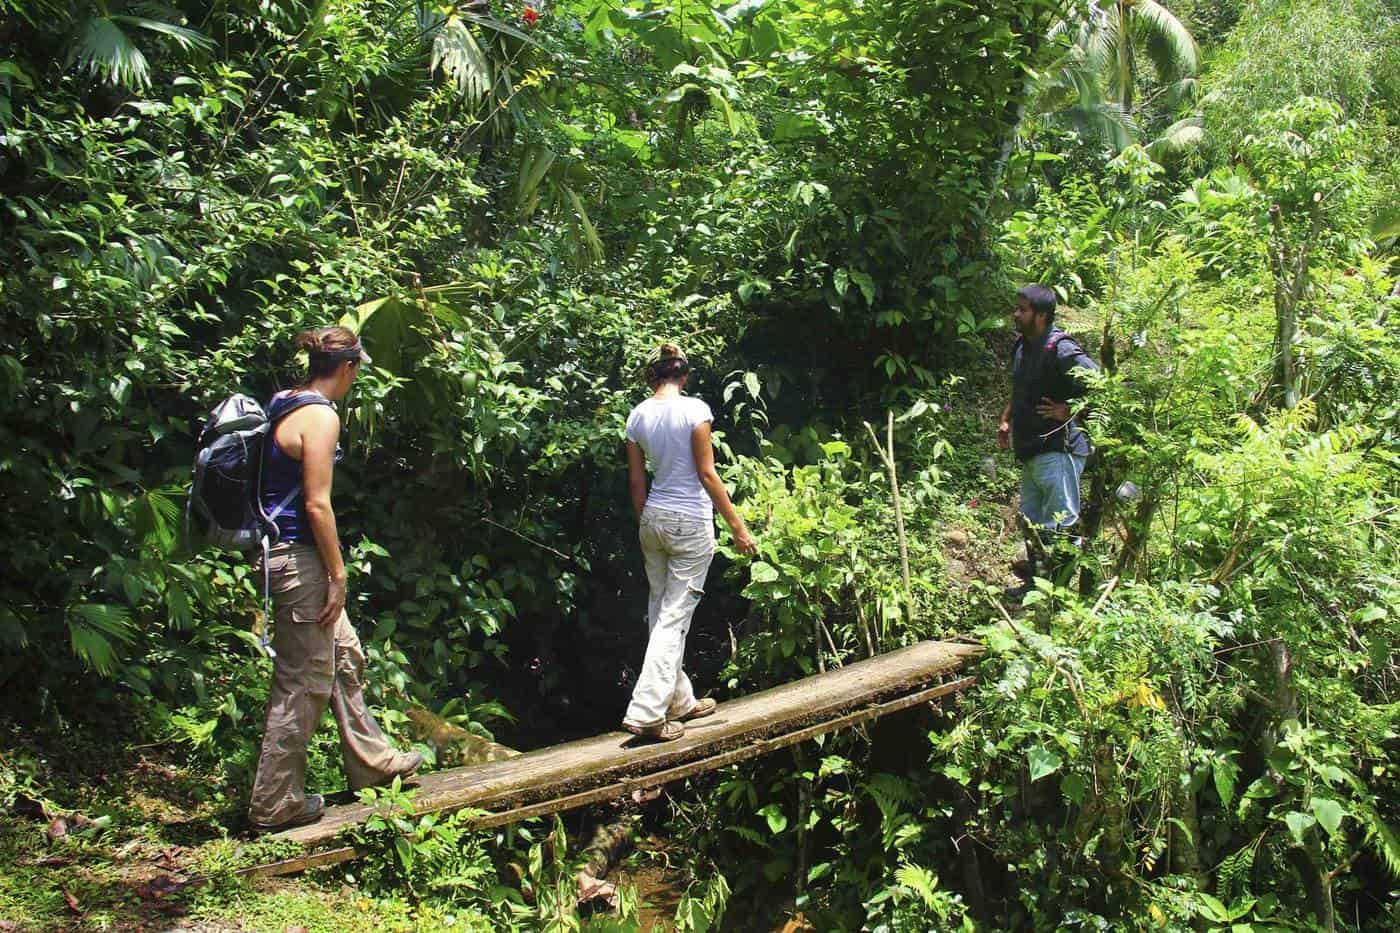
x,y
974,503
531,16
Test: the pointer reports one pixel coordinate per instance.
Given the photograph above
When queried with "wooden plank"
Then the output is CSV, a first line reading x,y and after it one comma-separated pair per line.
x,y
291,866
614,758
627,785
714,762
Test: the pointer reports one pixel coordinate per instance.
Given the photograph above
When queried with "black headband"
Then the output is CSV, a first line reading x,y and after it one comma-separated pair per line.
x,y
355,351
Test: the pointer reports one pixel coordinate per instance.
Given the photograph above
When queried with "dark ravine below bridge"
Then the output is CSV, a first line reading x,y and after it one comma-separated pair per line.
x,y
605,767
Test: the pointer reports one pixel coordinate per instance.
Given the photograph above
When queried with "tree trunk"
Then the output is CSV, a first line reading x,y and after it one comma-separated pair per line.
x,y
1186,843
1139,530
1306,860
1015,112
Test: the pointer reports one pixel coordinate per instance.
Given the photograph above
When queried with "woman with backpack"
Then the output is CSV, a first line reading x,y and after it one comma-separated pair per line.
x,y
671,433
317,655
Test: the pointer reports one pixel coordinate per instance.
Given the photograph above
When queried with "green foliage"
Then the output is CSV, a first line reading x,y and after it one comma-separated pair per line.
x,y
513,209
1261,66
168,237
433,857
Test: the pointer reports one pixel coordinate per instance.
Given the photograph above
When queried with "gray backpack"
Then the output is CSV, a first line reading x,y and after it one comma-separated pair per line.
x,y
223,509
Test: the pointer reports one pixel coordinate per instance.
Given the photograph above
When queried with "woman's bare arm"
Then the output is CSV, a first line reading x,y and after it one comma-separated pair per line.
x,y
637,477
319,434
703,450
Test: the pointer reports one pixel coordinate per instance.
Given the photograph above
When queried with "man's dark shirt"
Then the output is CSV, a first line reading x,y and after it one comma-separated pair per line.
x,y
1038,372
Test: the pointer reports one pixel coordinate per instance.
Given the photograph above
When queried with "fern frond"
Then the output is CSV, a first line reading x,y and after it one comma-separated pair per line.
x,y
890,792
1384,839
918,880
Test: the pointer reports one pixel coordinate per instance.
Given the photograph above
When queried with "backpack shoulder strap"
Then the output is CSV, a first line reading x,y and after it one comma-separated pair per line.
x,y
1052,344
278,409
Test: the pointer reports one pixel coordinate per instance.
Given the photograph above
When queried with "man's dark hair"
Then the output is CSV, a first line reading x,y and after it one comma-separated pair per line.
x,y
1041,300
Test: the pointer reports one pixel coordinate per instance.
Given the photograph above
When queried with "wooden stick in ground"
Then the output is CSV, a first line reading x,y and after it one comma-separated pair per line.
x,y
887,455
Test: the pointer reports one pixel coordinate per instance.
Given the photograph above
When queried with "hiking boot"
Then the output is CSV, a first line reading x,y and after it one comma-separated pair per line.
x,y
667,731
408,765
1015,594
700,710
1025,569
312,809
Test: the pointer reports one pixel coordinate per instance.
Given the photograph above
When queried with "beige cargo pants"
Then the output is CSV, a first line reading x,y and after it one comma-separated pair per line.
x,y
677,549
315,665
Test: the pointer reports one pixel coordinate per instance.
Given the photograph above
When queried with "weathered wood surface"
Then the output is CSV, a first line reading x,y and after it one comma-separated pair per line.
x,y
563,776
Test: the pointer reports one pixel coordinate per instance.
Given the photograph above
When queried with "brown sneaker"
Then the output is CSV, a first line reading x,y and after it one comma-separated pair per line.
x,y
667,731
700,710
313,808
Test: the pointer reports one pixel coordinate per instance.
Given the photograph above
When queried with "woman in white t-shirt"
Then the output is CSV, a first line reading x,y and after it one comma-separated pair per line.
x,y
671,433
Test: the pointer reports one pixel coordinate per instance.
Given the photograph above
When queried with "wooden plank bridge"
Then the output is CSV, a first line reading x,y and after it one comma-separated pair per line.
x,y
612,765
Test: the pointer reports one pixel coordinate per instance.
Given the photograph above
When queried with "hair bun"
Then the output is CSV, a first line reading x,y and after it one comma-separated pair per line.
x,y
670,350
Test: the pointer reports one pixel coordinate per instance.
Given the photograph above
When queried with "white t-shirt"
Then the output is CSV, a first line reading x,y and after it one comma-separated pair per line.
x,y
662,427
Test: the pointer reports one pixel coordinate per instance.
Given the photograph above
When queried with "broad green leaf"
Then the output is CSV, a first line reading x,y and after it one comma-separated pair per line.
x,y
867,286
1043,762
1073,786
762,572
1329,813
1299,824
1212,908
405,852
1225,772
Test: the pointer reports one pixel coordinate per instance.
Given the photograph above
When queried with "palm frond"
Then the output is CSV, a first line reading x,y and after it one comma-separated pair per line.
x,y
1180,93
1383,839
104,51
1168,42
1100,36
187,39
918,880
496,25
1178,138
592,242
12,630
1102,120
156,518
95,630
458,53
534,165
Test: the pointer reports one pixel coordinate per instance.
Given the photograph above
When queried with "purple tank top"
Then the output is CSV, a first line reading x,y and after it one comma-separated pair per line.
x,y
282,474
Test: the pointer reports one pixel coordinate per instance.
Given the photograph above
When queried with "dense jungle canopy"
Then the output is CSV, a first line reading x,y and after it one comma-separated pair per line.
x,y
830,205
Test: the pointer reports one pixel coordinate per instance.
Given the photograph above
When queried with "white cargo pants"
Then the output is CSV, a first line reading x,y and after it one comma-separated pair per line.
x,y
677,549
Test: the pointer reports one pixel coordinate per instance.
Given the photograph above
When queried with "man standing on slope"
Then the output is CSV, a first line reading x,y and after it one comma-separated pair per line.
x,y
1038,425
